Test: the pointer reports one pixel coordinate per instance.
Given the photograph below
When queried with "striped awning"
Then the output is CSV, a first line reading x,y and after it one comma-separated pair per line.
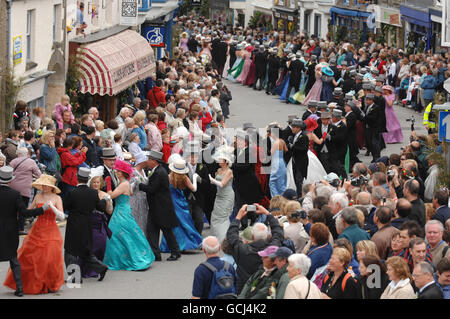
x,y
111,65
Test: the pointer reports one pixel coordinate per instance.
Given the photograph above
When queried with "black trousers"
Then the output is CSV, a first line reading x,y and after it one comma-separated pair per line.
x,y
153,239
298,178
324,158
197,215
261,78
21,219
90,262
15,268
374,144
292,85
271,84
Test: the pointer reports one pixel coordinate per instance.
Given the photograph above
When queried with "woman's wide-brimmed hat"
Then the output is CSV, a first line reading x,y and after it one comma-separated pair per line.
x,y
46,180
388,88
124,167
311,124
179,166
327,71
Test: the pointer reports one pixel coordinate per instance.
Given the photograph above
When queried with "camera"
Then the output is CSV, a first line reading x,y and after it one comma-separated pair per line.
x,y
358,181
390,175
300,214
251,208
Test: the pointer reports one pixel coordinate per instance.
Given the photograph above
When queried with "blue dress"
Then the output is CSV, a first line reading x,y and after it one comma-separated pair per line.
x,y
327,89
128,248
187,236
278,176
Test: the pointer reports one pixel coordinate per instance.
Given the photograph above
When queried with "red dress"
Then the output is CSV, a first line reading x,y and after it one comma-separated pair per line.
x,y
41,258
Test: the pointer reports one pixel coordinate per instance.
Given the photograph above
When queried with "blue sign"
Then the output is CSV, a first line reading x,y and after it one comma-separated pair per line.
x,y
444,126
155,35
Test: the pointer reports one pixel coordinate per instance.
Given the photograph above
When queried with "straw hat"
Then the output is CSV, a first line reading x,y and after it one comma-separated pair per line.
x,y
179,166
46,180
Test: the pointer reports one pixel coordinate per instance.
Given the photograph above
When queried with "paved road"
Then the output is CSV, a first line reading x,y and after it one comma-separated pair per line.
x,y
169,280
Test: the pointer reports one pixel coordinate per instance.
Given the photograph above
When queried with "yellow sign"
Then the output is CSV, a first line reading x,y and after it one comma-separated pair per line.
x,y
17,50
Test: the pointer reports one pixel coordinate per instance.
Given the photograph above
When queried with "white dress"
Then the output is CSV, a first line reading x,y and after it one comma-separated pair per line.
x,y
316,172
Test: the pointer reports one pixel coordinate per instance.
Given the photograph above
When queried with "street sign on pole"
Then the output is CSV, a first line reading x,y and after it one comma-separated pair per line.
x,y
444,126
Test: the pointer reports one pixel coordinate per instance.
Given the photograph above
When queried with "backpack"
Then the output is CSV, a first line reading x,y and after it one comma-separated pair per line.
x,y
222,282
344,281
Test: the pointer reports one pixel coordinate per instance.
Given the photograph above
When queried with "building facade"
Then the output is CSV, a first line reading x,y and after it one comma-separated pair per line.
x,y
314,17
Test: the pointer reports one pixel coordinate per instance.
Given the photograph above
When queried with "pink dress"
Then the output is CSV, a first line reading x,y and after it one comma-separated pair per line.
x,y
183,44
245,69
316,90
394,129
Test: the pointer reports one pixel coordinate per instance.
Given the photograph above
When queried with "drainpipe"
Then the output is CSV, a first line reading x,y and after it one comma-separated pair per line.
x,y
8,29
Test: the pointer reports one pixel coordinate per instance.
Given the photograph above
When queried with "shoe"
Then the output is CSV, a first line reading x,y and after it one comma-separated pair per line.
x,y
158,258
102,274
174,257
19,292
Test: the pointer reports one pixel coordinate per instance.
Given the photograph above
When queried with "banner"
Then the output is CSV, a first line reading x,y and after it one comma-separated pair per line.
x,y
155,35
129,12
445,41
17,50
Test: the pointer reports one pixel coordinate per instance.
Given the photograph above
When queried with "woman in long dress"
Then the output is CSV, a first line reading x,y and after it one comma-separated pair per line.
x,y
100,229
394,129
278,177
183,42
128,248
328,84
247,63
138,201
236,69
224,202
316,90
186,234
41,254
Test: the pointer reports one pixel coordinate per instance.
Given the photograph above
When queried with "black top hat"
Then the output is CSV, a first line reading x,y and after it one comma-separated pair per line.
x,y
6,174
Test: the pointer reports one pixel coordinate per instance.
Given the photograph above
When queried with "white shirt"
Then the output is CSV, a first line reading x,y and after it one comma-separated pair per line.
x,y
297,136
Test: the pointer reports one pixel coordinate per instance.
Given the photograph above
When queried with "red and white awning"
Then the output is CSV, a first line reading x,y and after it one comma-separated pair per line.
x,y
111,65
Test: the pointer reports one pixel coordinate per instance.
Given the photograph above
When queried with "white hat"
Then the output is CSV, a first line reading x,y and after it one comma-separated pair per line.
x,y
179,166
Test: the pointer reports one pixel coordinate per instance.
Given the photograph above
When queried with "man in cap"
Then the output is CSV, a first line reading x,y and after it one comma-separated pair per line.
x,y
274,66
280,259
298,147
261,67
162,215
373,127
197,200
312,107
296,68
339,141
12,208
78,243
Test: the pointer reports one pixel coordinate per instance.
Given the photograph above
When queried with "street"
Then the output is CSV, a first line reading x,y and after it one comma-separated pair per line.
x,y
173,280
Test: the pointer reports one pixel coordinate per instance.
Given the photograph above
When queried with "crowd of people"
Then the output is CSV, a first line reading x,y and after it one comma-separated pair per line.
x,y
295,211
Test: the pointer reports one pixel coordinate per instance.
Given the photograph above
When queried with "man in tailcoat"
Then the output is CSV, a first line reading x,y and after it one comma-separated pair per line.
x,y
109,158
373,126
339,141
162,215
351,119
80,203
298,146
12,206
311,73
273,62
325,149
296,68
261,67
245,182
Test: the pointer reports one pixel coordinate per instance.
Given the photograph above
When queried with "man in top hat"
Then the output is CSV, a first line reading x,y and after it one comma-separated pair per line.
x,y
109,158
338,98
296,68
274,66
322,107
80,204
312,107
373,121
12,207
325,149
311,73
298,147
285,133
350,120
339,141
344,71
162,215
349,84
245,181
334,68
197,201
261,67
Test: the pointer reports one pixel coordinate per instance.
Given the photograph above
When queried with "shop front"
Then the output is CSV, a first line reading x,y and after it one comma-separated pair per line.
x,y
349,25
110,66
418,28
285,14
389,26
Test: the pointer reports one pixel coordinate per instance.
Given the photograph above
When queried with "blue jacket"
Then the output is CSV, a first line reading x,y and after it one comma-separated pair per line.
x,y
48,157
142,137
319,255
442,214
354,234
428,85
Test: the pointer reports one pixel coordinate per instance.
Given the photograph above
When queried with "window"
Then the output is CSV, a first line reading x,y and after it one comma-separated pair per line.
x,y
57,23
317,25
306,23
30,34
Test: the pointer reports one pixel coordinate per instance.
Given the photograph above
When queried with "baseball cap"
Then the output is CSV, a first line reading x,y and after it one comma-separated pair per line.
x,y
290,194
282,252
268,251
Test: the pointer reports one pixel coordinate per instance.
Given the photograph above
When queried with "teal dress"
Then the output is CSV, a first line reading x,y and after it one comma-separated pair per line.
x,y
128,248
